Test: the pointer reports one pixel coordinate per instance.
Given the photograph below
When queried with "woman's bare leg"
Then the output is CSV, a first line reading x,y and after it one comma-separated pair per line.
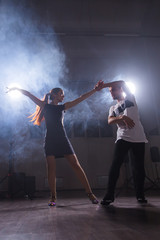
x,y
72,159
51,172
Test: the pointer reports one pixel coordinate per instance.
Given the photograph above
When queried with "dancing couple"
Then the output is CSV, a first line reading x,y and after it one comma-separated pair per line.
x,y
130,136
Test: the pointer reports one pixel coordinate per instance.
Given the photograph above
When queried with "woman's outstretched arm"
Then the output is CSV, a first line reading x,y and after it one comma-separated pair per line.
x,y
36,100
73,103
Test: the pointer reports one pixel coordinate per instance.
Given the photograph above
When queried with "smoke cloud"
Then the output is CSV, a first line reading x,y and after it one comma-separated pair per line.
x,y
31,57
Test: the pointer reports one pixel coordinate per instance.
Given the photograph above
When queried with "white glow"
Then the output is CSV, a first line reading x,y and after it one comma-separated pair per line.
x,y
15,94
131,87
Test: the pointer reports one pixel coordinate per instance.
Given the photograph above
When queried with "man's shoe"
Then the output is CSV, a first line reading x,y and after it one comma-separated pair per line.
x,y
142,200
107,202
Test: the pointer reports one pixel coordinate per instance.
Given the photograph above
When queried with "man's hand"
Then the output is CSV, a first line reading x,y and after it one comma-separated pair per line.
x,y
128,122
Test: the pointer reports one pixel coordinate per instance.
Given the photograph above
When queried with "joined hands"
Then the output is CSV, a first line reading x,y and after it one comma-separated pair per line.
x,y
99,85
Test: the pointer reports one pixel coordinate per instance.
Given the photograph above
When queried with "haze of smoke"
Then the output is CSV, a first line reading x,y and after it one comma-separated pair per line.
x,y
37,64
33,61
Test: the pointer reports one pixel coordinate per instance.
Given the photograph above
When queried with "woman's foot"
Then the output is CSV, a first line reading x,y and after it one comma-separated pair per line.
x,y
52,202
92,198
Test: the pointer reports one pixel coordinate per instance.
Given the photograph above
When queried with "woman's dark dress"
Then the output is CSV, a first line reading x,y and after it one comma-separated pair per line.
x,y
56,141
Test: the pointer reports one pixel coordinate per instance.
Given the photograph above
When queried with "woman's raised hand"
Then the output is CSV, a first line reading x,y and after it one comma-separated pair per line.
x,y
11,89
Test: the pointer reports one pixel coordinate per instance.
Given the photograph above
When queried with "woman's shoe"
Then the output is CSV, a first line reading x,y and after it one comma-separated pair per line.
x,y
92,198
52,202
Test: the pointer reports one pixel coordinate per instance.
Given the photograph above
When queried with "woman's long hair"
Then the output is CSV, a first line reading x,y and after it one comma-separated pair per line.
x,y
38,116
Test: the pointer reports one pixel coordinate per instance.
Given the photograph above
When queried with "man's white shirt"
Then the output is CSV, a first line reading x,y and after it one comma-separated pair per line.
x,y
128,107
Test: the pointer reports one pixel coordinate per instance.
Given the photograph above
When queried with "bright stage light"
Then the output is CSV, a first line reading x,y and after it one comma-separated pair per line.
x,y
131,87
15,94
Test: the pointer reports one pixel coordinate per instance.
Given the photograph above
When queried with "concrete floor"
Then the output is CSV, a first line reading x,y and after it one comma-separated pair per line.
x,y
75,218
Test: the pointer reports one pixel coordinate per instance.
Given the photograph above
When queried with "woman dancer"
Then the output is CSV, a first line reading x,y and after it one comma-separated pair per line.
x,y
57,143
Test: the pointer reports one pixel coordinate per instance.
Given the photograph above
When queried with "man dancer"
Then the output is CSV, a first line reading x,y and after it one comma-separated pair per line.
x,y
130,136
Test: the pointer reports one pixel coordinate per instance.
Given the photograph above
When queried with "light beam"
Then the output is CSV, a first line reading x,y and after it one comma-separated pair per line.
x,y
131,87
